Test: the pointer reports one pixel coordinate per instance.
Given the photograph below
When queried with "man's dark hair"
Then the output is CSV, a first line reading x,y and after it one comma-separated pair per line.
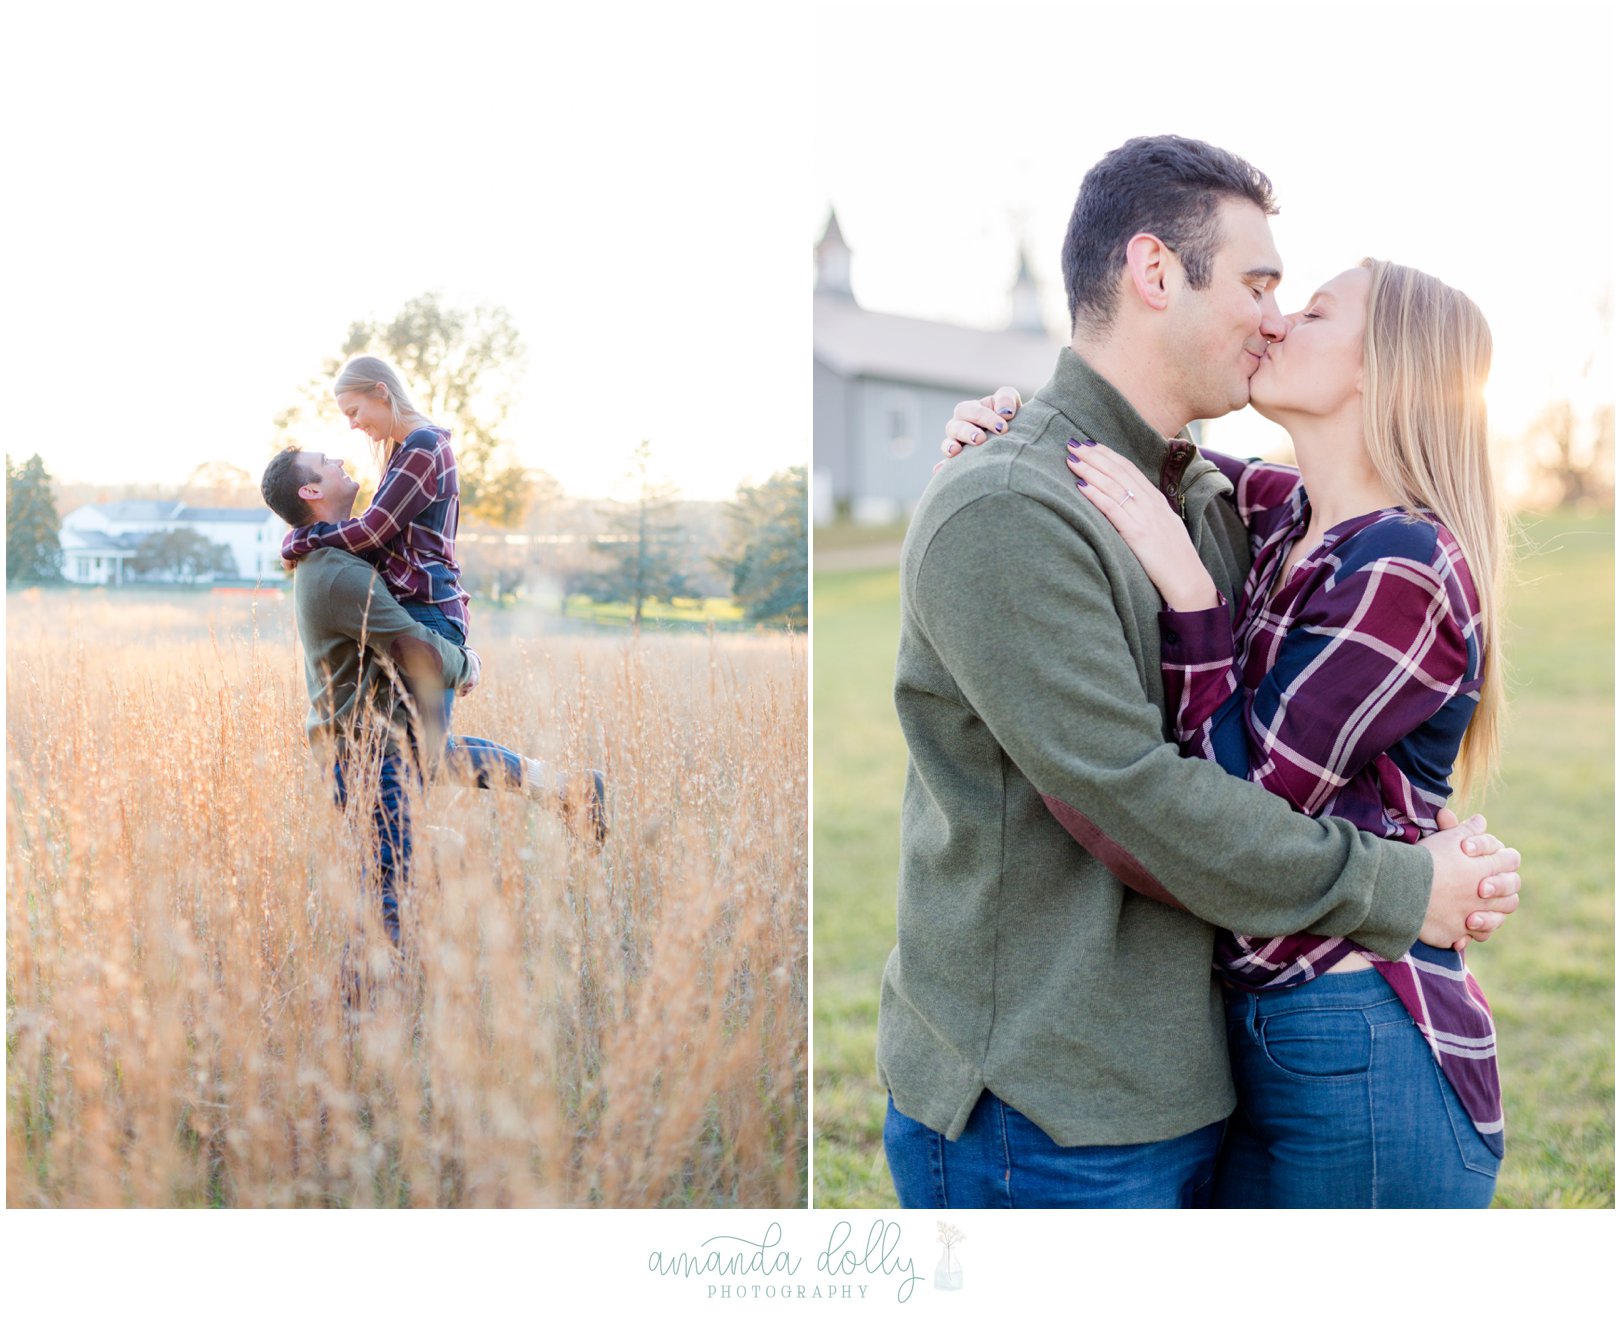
x,y
280,484
1166,186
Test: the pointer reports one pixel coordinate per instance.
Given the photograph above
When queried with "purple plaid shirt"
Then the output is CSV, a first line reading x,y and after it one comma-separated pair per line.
x,y
408,533
1344,688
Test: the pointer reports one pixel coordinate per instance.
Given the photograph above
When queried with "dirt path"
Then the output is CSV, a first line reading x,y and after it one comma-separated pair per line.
x,y
857,557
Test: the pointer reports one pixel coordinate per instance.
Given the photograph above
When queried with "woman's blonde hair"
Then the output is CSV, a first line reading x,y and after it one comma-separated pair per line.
x,y
365,374
1426,352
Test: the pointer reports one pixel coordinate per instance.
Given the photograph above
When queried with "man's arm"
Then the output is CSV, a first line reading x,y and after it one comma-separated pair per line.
x,y
408,487
363,610
1016,600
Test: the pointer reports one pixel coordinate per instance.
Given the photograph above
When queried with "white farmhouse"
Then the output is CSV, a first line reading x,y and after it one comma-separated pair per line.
x,y
99,540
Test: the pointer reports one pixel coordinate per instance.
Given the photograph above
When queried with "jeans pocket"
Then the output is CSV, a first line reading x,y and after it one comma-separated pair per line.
x,y
1472,1148
1318,1043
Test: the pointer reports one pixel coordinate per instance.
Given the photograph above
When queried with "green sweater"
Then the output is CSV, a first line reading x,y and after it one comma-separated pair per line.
x,y
1028,687
349,625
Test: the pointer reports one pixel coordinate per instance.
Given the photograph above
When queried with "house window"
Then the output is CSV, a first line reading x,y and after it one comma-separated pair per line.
x,y
900,427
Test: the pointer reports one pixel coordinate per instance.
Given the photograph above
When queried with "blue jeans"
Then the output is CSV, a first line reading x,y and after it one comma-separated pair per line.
x,y
476,760
388,840
1005,1161
1341,1105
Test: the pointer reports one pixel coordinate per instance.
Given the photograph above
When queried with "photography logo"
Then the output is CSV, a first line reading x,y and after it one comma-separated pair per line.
x,y
948,1272
769,1267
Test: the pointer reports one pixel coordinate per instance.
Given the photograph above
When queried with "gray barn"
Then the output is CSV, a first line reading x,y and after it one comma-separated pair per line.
x,y
885,386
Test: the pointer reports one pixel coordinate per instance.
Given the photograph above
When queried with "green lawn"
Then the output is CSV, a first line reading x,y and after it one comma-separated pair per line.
x,y
720,611
1549,974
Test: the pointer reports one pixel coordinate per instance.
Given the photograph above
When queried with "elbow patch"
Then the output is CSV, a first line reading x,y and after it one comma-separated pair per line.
x,y
1119,862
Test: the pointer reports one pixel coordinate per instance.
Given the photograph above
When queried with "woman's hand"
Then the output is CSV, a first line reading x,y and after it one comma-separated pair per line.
x,y
973,421
1475,885
1495,888
475,671
1148,525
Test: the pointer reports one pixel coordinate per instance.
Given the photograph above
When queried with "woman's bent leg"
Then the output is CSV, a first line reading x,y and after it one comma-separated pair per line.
x,y
485,764
1347,1105
480,762
473,760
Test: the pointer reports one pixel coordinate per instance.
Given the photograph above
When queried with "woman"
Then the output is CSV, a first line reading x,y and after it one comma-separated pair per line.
x,y
408,533
1360,668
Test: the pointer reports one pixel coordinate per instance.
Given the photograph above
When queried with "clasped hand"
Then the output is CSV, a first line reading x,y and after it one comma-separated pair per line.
x,y
1476,884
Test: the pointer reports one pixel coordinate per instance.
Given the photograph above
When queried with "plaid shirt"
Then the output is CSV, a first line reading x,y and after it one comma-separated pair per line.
x,y
1344,688
408,532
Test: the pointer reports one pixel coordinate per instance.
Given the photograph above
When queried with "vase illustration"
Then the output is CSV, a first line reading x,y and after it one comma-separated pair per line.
x,y
948,1272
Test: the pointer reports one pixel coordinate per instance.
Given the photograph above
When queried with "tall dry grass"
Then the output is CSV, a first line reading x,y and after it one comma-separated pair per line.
x,y
566,1028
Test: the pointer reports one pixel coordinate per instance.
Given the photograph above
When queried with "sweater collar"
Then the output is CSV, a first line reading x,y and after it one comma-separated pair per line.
x,y
1098,411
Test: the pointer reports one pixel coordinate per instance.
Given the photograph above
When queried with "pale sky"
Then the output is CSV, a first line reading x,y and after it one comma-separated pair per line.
x,y
1473,142
200,199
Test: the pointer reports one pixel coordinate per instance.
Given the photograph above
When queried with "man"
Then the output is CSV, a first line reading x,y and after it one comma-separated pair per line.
x,y
363,656
1049,1029
369,668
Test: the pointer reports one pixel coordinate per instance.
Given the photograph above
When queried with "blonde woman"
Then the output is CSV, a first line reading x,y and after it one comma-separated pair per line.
x,y
408,533
1361,667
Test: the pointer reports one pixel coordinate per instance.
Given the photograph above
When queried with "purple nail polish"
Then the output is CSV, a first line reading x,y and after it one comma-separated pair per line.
x,y
1006,413
1092,444
1074,443
1080,483
1000,428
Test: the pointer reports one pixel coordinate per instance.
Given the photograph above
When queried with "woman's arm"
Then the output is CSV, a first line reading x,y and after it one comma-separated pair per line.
x,y
1371,657
1196,628
1197,663
973,421
1257,487
1147,521
409,486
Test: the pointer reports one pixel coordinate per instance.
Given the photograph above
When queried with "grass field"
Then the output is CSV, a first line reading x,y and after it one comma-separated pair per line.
x,y
569,1028
1549,974
681,614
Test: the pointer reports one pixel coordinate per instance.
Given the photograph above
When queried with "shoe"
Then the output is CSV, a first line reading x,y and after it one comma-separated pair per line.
x,y
583,801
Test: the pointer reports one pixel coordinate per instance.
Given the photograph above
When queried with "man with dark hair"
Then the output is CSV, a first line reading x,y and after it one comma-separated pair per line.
x,y
285,475
1049,1029
374,675
1167,186
305,488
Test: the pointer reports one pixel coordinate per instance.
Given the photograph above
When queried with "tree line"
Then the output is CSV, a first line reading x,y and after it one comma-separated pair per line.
x,y
463,365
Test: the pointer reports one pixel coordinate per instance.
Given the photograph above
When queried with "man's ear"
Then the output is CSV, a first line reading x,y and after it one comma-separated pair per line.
x,y
310,491
1148,264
